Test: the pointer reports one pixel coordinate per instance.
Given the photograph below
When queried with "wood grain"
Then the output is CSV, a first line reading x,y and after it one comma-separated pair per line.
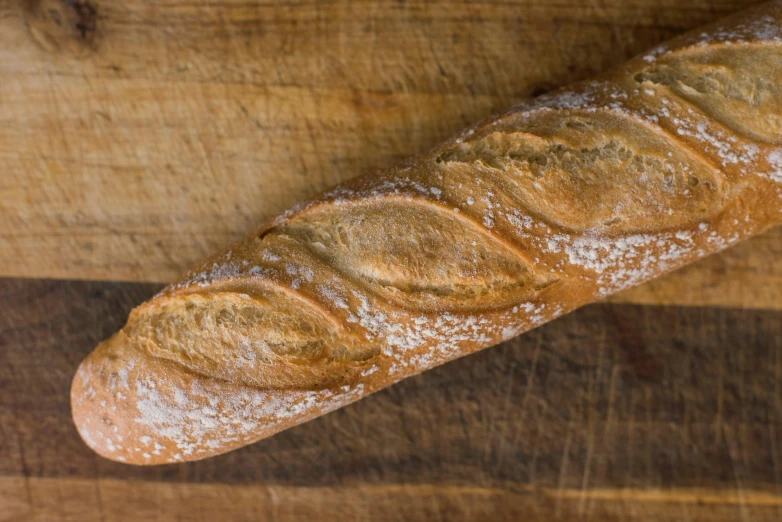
x,y
137,137
75,500
614,412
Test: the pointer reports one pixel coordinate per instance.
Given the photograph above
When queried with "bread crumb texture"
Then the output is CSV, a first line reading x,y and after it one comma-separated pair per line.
x,y
557,202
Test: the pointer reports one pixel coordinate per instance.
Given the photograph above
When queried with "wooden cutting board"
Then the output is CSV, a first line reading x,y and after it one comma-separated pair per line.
x,y
137,137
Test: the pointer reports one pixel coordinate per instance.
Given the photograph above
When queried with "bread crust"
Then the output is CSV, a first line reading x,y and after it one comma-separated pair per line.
x,y
556,203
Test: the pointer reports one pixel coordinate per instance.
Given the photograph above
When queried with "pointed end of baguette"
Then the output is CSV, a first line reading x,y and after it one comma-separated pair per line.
x,y
103,394
131,407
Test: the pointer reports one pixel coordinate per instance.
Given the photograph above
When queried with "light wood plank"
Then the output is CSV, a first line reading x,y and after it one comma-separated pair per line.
x,y
81,500
159,132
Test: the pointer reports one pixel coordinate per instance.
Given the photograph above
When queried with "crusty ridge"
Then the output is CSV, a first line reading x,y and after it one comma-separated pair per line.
x,y
560,201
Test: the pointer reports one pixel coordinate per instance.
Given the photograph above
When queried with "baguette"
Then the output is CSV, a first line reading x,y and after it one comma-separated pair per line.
x,y
556,203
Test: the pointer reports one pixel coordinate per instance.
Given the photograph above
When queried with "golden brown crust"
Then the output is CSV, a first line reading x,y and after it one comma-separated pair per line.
x,y
560,201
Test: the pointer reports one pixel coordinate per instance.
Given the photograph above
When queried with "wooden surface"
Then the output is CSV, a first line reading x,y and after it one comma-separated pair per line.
x,y
138,136
615,412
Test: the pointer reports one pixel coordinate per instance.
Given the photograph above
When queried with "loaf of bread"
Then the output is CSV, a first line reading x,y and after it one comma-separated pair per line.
x,y
524,217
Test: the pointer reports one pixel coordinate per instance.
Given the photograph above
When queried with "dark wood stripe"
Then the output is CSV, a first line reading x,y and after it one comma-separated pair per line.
x,y
611,396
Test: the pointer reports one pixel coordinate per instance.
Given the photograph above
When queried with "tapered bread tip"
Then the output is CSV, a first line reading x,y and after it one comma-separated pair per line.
x,y
105,419
133,408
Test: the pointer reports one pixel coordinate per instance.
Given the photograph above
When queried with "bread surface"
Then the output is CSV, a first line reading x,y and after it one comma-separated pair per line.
x,y
524,217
